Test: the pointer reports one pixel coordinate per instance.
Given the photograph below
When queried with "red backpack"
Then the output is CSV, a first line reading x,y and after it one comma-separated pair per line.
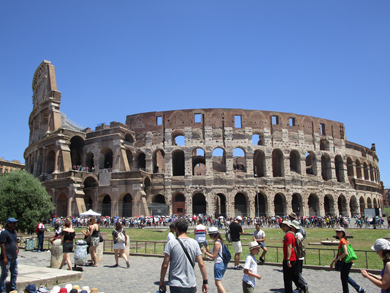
x,y
37,229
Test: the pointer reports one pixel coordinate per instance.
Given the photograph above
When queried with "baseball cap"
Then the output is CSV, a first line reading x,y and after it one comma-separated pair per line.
x,y
381,244
340,229
213,230
238,218
11,220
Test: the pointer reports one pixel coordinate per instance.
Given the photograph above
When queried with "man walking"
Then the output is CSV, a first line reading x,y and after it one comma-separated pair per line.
x,y
236,230
181,254
200,232
9,254
41,234
301,283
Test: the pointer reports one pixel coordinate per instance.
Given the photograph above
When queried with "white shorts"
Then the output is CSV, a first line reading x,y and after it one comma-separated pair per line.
x,y
119,246
237,246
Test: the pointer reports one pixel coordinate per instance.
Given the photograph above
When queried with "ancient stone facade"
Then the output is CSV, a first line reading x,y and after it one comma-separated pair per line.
x,y
198,161
8,166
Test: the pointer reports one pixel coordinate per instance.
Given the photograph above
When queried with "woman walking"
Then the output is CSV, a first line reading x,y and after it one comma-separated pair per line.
x,y
120,241
216,255
93,231
382,248
67,237
342,266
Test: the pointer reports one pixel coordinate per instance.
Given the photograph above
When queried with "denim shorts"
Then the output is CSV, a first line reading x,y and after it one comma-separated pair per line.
x,y
219,270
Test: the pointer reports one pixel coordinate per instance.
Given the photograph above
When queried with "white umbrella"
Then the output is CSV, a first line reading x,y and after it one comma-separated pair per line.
x,y
90,213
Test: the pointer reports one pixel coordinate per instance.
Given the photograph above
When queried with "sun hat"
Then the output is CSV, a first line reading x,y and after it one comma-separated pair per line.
x,y
68,287
11,220
213,230
31,288
94,290
293,215
381,244
86,288
77,287
340,229
254,245
55,289
295,224
238,218
83,291
287,223
63,290
73,291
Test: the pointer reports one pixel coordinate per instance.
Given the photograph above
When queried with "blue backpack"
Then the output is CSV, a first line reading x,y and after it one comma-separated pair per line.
x,y
226,256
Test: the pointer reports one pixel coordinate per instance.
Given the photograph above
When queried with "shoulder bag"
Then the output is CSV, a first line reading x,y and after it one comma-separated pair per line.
x,y
186,252
351,254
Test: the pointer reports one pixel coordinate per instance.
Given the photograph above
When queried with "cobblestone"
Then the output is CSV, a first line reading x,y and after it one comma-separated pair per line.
x,y
144,274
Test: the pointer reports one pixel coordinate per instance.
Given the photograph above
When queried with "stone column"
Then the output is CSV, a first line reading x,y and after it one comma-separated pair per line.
x,y
70,200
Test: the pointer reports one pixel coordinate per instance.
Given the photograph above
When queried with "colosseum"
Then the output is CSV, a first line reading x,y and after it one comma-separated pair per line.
x,y
198,161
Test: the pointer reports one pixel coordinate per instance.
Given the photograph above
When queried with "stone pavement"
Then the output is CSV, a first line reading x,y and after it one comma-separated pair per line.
x,y
144,274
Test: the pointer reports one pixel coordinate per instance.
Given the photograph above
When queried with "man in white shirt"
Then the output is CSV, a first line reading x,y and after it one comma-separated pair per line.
x,y
171,234
259,237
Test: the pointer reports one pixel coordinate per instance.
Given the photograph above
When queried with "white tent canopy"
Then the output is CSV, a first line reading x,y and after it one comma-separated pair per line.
x,y
90,213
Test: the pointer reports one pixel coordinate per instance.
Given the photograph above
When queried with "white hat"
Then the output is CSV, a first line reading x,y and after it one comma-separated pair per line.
x,y
253,245
288,223
213,230
68,287
238,218
55,289
86,288
295,224
381,244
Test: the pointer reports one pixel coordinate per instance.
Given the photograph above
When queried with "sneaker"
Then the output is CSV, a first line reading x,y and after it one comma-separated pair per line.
x,y
240,267
38,251
128,264
306,289
261,259
116,265
362,290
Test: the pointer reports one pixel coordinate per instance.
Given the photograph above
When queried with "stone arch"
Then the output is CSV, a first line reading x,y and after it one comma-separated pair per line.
x,y
129,156
199,204
107,158
280,204
261,206
295,162
324,145
178,163
50,162
158,205
129,139
372,178
240,205
369,204
342,205
179,204
76,150
311,164
220,205
257,139
90,188
62,205
239,160
141,161
277,163
127,205
296,203
362,205
178,138
219,160
259,163
358,169
329,205
90,162
375,203
105,204
326,167
159,161
314,205
339,166
147,185
198,162
350,167
365,168
353,206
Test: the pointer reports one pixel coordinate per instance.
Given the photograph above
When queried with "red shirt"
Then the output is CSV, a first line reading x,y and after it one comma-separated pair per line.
x,y
289,239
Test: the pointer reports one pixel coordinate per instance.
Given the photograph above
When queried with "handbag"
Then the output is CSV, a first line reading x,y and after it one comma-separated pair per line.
x,y
337,266
101,238
351,254
88,239
186,252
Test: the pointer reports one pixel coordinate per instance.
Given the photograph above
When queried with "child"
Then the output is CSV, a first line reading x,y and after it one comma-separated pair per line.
x,y
250,269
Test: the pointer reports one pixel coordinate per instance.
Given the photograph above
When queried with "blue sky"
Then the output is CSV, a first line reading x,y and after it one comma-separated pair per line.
x,y
327,59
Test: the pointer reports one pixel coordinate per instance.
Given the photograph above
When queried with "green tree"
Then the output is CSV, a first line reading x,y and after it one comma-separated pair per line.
x,y
24,198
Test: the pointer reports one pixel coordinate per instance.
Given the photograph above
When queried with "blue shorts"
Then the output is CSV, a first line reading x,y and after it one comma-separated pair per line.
x,y
204,243
262,244
219,270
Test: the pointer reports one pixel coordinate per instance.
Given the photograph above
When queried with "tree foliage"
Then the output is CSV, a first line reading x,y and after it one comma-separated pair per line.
x,y
24,198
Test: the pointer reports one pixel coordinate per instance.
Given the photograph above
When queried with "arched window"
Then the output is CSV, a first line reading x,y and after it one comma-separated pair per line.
x,y
349,167
50,162
219,160
324,145
239,162
277,163
311,164
141,162
107,158
258,163
295,162
159,161
326,168
178,163
179,140
358,169
76,150
339,165
366,176
198,162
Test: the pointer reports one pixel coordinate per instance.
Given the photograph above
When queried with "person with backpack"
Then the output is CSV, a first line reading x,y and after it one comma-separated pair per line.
x,y
250,269
41,229
300,252
290,264
221,256
120,241
342,265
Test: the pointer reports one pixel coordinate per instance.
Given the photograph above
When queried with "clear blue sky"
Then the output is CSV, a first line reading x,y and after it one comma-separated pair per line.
x,y
327,59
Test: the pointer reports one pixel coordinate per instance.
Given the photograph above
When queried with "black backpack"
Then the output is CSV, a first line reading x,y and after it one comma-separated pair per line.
x,y
228,234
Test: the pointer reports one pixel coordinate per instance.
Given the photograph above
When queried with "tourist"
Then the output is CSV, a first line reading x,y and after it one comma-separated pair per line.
x,y
342,266
236,230
216,255
93,231
67,237
9,254
250,269
57,232
41,229
171,234
120,241
259,237
382,248
180,255
200,232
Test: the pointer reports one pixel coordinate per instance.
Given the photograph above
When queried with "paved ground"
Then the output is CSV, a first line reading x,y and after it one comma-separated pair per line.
x,y
144,274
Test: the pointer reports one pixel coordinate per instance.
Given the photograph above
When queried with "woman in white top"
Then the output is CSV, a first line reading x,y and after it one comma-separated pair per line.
x,y
216,255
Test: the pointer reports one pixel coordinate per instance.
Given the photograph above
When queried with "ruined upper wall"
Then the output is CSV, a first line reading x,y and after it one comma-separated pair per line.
x,y
220,118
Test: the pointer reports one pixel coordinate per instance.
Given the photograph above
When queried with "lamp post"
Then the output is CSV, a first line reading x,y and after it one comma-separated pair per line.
x,y
257,196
